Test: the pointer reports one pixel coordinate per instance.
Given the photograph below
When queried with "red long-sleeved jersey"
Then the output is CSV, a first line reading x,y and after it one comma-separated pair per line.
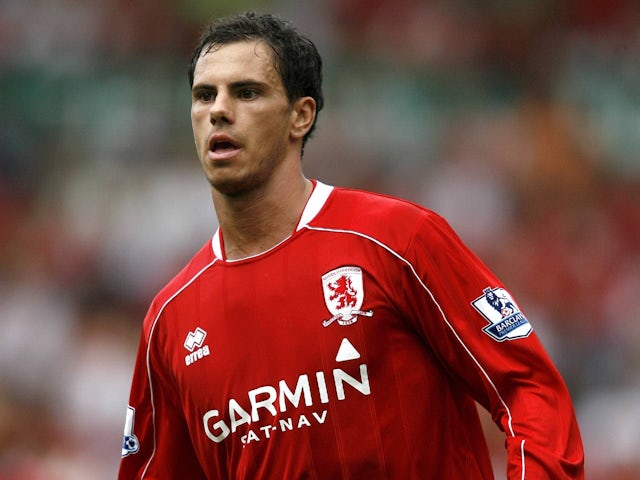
x,y
355,349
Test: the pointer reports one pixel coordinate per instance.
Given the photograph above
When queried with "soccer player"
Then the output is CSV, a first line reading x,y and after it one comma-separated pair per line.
x,y
326,333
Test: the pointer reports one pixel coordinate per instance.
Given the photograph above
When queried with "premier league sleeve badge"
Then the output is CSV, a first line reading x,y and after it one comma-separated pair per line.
x,y
506,321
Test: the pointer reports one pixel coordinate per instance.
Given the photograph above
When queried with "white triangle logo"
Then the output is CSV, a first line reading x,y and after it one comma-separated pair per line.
x,y
346,352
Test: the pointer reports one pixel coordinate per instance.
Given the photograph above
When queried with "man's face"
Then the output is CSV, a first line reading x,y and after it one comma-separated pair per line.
x,y
240,115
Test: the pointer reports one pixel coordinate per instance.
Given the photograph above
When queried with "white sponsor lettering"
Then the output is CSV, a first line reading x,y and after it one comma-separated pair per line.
x,y
341,378
302,387
285,424
219,426
237,415
268,401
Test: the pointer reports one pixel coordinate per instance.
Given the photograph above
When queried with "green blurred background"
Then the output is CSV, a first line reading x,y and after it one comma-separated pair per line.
x,y
518,120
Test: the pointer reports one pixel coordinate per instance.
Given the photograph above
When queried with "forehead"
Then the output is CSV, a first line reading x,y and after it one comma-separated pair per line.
x,y
236,61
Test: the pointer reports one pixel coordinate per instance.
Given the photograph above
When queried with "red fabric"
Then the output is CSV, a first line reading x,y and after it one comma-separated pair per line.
x,y
277,393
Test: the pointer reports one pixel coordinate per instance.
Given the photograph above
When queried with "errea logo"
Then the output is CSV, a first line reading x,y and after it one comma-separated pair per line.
x,y
195,339
194,343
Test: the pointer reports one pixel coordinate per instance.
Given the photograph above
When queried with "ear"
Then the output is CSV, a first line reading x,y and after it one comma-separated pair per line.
x,y
302,116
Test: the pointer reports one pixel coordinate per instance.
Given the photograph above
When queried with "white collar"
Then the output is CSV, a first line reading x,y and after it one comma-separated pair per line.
x,y
316,201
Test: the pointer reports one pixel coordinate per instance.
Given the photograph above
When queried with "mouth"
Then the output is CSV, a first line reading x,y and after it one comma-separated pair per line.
x,y
219,143
218,147
222,147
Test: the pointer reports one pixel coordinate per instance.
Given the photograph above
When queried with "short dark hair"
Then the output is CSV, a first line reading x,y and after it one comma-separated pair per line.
x,y
296,58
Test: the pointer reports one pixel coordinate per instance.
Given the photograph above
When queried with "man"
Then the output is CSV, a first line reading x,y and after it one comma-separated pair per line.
x,y
326,333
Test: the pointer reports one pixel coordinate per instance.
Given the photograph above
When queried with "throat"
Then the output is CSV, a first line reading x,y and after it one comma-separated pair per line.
x,y
238,249
260,226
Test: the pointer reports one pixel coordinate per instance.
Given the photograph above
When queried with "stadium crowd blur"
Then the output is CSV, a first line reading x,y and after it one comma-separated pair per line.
x,y
519,121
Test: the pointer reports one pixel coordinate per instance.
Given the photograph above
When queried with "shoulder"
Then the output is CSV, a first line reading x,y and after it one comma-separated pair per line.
x,y
390,220
198,264
362,208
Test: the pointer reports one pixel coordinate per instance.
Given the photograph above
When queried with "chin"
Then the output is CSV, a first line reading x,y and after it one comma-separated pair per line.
x,y
234,187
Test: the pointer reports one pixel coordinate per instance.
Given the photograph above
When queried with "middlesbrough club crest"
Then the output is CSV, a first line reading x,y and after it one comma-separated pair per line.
x,y
344,295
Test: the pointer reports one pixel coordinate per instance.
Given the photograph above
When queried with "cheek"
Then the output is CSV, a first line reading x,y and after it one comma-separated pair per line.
x,y
274,130
198,127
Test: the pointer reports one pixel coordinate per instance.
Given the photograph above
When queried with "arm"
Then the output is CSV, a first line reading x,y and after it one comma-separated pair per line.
x,y
489,345
156,443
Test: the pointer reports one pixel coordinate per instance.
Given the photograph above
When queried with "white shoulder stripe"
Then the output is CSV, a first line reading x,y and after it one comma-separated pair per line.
x,y
522,454
442,314
148,359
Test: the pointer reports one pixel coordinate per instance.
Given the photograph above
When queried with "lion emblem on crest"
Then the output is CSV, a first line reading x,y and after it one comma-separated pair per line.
x,y
343,292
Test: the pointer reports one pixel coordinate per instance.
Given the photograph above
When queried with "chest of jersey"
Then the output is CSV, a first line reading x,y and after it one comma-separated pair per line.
x,y
297,344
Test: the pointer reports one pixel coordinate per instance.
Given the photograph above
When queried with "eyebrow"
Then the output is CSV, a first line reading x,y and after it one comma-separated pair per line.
x,y
233,86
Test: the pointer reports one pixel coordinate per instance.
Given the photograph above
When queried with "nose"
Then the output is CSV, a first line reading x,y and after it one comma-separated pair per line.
x,y
221,109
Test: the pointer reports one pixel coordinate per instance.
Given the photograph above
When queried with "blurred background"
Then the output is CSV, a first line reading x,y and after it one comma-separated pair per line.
x,y
519,121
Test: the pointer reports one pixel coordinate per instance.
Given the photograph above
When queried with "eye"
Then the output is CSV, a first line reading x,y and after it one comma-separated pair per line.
x,y
204,95
247,94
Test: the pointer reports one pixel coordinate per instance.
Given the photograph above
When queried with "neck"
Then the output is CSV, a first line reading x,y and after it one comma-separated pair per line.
x,y
255,222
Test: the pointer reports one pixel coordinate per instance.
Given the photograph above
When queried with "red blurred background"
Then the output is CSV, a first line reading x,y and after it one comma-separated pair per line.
x,y
518,121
